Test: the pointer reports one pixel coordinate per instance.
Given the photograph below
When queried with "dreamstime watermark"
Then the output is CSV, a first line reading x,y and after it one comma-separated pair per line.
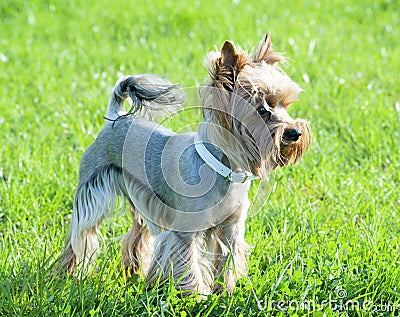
x,y
338,301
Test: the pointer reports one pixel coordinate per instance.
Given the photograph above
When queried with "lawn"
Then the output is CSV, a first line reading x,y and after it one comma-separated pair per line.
x,y
326,242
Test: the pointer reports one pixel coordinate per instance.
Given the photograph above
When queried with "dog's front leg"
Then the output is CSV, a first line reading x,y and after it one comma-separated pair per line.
x,y
181,255
230,256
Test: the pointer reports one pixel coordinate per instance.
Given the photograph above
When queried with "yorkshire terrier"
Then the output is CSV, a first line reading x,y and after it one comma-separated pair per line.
x,y
188,192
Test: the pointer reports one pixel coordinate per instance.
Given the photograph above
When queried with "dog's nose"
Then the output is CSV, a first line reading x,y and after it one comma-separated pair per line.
x,y
293,134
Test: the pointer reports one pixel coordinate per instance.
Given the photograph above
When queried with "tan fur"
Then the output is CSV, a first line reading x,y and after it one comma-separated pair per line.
x,y
266,53
233,108
231,250
137,247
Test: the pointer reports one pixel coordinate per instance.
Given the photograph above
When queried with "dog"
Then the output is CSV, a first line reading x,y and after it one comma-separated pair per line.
x,y
188,192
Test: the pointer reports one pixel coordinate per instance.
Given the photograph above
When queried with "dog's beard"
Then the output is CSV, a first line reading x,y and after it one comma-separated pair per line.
x,y
267,148
285,151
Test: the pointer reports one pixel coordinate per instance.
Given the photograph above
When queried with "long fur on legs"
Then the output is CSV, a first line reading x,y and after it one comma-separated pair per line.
x,y
137,247
182,256
94,200
231,248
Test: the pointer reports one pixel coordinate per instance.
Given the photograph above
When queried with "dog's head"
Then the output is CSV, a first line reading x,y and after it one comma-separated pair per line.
x,y
248,99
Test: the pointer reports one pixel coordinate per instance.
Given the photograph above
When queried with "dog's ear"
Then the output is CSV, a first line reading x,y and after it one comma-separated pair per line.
x,y
223,68
265,52
229,55
230,64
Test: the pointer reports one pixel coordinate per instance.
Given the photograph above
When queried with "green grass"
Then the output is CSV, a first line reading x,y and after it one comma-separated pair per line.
x,y
330,228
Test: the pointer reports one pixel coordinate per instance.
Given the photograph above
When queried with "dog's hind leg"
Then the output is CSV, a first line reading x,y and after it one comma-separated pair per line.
x,y
137,246
181,255
94,200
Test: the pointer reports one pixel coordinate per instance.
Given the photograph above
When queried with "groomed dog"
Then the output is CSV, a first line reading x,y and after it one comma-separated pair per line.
x,y
188,192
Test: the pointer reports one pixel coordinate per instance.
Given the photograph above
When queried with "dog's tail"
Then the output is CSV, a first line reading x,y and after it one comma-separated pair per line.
x,y
148,93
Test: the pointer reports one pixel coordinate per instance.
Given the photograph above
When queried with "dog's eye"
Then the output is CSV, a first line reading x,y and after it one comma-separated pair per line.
x,y
264,112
